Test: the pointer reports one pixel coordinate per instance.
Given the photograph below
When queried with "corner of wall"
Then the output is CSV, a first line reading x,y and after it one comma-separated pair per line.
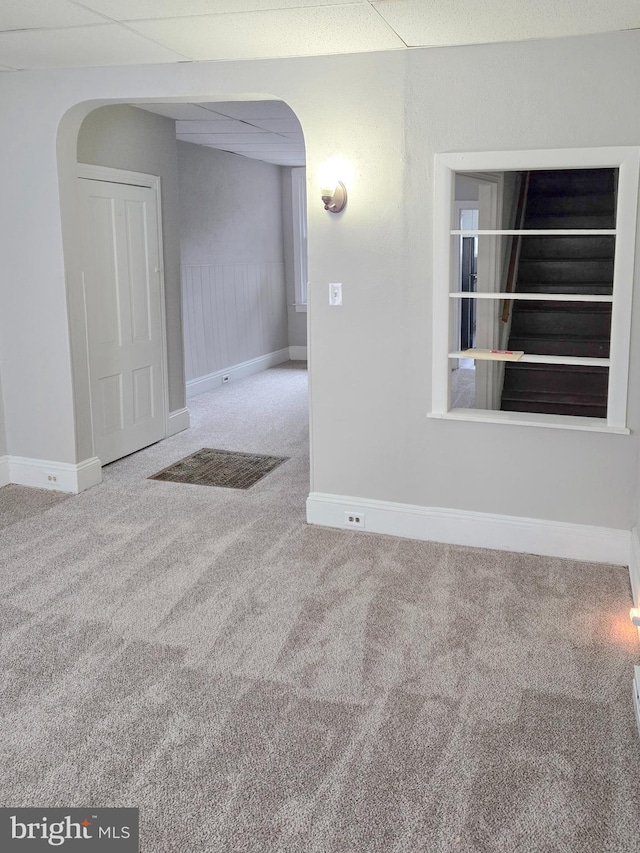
x,y
634,566
5,479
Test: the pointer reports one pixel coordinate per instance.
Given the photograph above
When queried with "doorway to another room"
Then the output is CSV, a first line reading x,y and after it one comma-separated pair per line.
x,y
224,298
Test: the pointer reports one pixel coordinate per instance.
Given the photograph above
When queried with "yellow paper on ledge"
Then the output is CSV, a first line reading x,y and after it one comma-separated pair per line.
x,y
494,354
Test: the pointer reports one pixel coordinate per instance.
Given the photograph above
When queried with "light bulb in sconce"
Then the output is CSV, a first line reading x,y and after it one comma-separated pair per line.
x,y
634,615
332,190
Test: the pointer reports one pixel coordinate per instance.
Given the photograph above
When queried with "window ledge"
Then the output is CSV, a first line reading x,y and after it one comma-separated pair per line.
x,y
530,419
301,308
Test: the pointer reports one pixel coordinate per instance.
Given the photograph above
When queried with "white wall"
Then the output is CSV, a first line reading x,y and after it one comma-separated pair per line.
x,y
123,137
539,94
370,369
233,280
3,439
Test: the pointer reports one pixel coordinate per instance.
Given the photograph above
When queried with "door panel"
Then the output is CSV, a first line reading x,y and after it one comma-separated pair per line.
x,y
124,317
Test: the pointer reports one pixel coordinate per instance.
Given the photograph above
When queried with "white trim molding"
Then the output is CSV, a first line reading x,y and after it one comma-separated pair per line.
x,y
475,529
298,353
117,176
178,421
57,476
235,372
299,218
5,477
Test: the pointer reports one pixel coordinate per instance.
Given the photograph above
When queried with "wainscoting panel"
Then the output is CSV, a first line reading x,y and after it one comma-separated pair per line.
x,y
232,313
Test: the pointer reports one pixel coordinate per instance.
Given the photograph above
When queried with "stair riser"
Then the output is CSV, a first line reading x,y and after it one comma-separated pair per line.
x,y
587,205
574,271
556,379
561,287
567,247
590,411
561,324
598,222
546,346
571,182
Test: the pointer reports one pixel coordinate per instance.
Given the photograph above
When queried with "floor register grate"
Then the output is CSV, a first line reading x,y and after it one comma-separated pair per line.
x,y
223,468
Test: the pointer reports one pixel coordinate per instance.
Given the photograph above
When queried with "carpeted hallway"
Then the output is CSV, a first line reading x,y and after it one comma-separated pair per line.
x,y
254,684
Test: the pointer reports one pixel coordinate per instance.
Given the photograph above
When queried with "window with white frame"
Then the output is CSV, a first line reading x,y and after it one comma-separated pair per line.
x,y
299,200
545,313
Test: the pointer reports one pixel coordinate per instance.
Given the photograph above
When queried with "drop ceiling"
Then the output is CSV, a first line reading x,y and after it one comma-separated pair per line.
x,y
66,33
262,130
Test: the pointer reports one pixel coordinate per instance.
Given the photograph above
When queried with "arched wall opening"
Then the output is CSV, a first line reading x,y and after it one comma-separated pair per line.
x,y
71,215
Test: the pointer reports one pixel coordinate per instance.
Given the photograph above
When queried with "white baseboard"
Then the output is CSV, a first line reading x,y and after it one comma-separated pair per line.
x,y
297,353
235,372
178,421
57,476
5,478
634,566
480,530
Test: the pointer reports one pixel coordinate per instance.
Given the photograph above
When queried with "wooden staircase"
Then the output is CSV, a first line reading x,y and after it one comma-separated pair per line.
x,y
563,199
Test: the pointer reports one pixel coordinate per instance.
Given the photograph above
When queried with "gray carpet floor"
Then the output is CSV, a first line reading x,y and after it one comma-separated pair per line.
x,y
255,684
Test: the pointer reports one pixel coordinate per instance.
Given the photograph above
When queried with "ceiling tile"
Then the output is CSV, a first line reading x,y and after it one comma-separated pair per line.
x,y
294,32
278,125
127,10
222,125
441,22
246,146
266,157
107,44
251,110
183,112
34,14
215,138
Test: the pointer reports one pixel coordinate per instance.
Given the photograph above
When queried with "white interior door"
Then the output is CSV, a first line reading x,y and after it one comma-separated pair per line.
x,y
123,292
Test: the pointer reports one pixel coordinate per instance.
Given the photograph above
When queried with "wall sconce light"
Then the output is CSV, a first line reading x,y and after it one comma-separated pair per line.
x,y
334,198
634,615
332,191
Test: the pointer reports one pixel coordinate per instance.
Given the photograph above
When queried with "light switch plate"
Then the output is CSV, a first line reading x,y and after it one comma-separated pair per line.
x,y
335,294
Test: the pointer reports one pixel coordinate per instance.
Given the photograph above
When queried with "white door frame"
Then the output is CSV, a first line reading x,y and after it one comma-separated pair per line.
x,y
456,311
490,274
137,179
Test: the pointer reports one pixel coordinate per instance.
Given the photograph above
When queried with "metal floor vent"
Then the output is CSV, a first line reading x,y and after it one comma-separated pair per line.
x,y
224,468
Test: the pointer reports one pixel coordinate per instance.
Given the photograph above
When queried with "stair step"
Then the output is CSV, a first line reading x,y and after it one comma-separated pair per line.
x,y
571,205
599,221
552,407
566,270
567,380
527,306
554,346
583,324
571,181
548,248
590,289
578,399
